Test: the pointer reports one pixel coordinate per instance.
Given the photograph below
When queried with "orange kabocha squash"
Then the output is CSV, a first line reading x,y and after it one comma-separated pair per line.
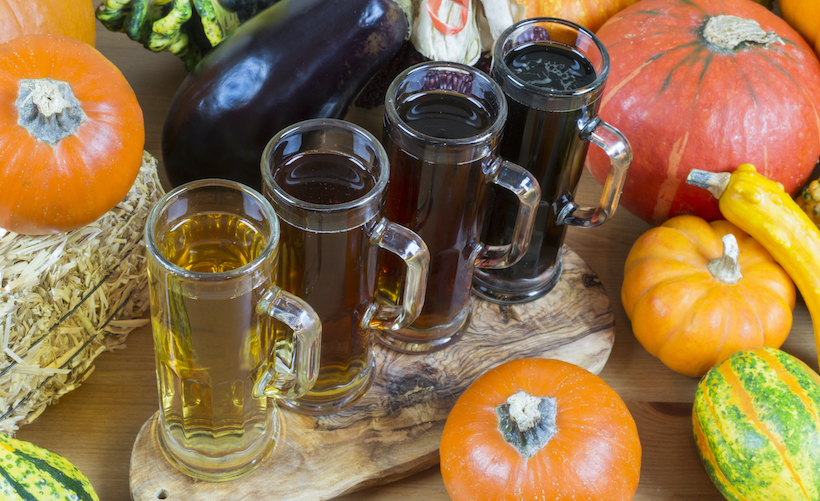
x,y
540,429
804,17
71,134
590,14
696,292
71,18
706,84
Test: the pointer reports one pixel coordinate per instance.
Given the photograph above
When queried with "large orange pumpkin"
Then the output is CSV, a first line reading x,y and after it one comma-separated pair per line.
x,y
71,18
590,14
688,94
71,134
540,429
693,300
803,16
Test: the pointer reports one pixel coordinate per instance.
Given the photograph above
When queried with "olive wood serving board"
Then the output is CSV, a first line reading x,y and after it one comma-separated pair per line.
x,y
395,429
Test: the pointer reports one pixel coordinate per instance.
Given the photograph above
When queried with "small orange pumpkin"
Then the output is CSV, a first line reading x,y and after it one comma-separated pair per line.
x,y
804,17
696,292
540,429
71,18
71,134
591,14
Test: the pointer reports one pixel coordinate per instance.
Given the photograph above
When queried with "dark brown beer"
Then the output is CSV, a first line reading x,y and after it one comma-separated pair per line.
x,y
441,197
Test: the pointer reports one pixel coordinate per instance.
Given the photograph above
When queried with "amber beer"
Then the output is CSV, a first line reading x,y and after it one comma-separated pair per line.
x,y
333,271
210,266
327,179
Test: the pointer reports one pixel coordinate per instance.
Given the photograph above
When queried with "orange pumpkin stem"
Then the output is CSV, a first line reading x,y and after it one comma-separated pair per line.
x,y
527,422
48,109
726,268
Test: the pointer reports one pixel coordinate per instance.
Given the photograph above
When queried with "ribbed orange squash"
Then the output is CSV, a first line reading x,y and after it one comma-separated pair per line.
x,y
535,429
685,101
71,134
687,305
590,14
71,18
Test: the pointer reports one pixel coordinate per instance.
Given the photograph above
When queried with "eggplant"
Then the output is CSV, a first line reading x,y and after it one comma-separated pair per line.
x,y
297,59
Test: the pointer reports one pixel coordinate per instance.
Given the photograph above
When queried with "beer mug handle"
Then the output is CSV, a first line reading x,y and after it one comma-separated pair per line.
x,y
615,145
525,187
306,352
408,246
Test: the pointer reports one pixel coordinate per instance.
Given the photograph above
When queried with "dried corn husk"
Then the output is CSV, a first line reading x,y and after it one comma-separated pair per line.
x,y
471,35
66,298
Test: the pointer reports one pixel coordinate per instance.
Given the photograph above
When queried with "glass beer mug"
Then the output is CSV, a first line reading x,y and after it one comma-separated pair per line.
x,y
553,74
212,250
327,180
442,126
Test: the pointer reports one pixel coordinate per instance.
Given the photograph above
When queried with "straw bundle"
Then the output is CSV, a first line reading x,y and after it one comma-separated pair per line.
x,y
66,298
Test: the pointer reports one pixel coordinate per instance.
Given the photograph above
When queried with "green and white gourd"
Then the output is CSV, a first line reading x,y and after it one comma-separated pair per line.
x,y
756,422
32,473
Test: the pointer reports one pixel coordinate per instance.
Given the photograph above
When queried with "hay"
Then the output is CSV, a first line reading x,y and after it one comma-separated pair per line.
x,y
66,298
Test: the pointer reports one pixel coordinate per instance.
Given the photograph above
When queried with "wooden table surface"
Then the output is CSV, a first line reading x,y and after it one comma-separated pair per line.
x,y
95,426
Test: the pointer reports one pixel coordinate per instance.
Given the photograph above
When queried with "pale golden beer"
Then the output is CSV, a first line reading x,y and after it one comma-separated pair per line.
x,y
209,268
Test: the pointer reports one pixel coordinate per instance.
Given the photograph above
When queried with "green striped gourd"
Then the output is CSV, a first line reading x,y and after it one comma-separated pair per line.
x,y
31,473
757,427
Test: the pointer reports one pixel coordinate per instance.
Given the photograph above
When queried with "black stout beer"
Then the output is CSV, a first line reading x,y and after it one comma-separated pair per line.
x,y
552,87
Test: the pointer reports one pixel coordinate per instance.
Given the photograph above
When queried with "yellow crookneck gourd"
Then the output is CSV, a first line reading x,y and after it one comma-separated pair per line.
x,y
763,209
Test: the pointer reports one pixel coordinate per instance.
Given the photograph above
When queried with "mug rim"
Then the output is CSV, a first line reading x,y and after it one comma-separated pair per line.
x,y
325,124
495,128
173,195
295,211
600,78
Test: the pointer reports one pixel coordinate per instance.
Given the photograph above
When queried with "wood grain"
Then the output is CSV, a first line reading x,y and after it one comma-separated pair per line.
x,y
394,431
